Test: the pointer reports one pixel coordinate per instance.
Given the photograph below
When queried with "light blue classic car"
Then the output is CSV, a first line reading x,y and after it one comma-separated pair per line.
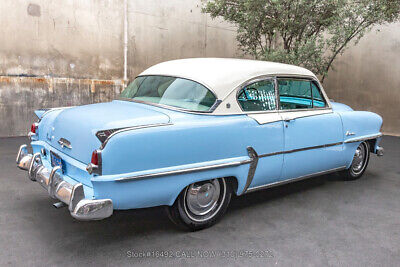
x,y
187,134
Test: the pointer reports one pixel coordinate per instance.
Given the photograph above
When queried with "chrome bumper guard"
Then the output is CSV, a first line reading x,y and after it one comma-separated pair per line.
x,y
72,195
380,151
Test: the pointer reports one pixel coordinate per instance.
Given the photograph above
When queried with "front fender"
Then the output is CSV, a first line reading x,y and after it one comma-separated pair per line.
x,y
359,126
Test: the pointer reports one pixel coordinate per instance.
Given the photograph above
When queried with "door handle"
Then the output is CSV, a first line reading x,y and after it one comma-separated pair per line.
x,y
288,119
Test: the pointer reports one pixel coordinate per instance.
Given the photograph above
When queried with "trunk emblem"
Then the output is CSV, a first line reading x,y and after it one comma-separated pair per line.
x,y
64,143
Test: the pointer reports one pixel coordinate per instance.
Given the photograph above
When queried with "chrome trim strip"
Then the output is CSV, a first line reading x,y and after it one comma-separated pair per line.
x,y
265,118
253,160
305,109
215,105
314,112
299,149
253,166
183,171
99,170
209,112
132,128
362,138
256,188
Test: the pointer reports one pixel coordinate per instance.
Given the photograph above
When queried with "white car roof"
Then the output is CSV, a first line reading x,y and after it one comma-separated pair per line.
x,y
222,75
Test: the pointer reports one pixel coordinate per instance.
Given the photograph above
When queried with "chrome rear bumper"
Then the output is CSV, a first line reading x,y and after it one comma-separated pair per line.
x,y
72,195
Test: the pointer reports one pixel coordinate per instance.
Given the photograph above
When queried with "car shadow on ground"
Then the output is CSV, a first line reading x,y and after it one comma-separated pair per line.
x,y
266,195
142,223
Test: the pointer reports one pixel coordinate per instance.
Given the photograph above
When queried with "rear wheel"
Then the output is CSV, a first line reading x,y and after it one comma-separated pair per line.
x,y
359,163
201,204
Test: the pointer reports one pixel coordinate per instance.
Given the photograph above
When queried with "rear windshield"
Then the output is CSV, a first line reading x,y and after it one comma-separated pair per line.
x,y
170,91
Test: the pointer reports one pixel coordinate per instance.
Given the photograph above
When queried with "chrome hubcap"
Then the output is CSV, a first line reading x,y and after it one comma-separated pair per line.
x,y
201,198
359,159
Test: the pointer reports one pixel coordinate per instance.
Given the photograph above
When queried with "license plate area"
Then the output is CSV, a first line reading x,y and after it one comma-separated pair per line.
x,y
56,160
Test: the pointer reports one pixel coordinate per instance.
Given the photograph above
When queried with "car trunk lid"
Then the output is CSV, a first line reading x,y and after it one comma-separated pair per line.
x,y
73,130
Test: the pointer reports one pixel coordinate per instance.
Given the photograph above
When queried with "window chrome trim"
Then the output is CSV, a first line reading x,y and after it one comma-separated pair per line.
x,y
275,78
208,112
309,113
304,109
236,90
298,114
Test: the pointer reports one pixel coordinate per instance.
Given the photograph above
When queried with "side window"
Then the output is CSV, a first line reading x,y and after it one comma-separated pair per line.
x,y
258,96
299,94
318,100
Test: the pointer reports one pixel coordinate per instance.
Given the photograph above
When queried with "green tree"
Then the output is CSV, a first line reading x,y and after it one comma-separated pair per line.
x,y
309,33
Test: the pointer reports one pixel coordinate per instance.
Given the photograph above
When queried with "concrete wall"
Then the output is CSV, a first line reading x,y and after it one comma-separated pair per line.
x,y
61,38
63,53
367,76
162,30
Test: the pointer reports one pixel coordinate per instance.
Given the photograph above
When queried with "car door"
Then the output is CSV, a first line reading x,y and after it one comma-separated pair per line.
x,y
312,132
258,99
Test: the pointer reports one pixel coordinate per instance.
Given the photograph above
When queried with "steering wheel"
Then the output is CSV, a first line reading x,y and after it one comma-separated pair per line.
x,y
246,93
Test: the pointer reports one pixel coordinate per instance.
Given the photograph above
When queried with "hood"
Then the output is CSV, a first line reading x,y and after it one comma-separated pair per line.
x,y
79,125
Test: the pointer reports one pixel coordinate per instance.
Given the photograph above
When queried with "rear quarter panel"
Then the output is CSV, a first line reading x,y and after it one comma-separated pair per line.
x,y
192,141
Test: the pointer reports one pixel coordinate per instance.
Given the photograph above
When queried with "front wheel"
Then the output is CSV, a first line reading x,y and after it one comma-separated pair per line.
x,y
359,163
201,204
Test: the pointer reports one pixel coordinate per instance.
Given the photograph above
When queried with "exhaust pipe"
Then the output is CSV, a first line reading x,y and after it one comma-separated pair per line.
x,y
59,205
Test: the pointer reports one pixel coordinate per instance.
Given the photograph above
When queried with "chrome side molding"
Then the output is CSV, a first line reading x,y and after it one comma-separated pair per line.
x,y
253,166
183,171
362,138
253,160
292,180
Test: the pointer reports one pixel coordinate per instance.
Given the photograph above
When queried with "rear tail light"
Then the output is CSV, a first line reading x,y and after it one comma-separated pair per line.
x,y
95,158
34,127
95,165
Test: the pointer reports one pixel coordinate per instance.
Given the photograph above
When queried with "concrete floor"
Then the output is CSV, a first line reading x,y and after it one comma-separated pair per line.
x,y
321,221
